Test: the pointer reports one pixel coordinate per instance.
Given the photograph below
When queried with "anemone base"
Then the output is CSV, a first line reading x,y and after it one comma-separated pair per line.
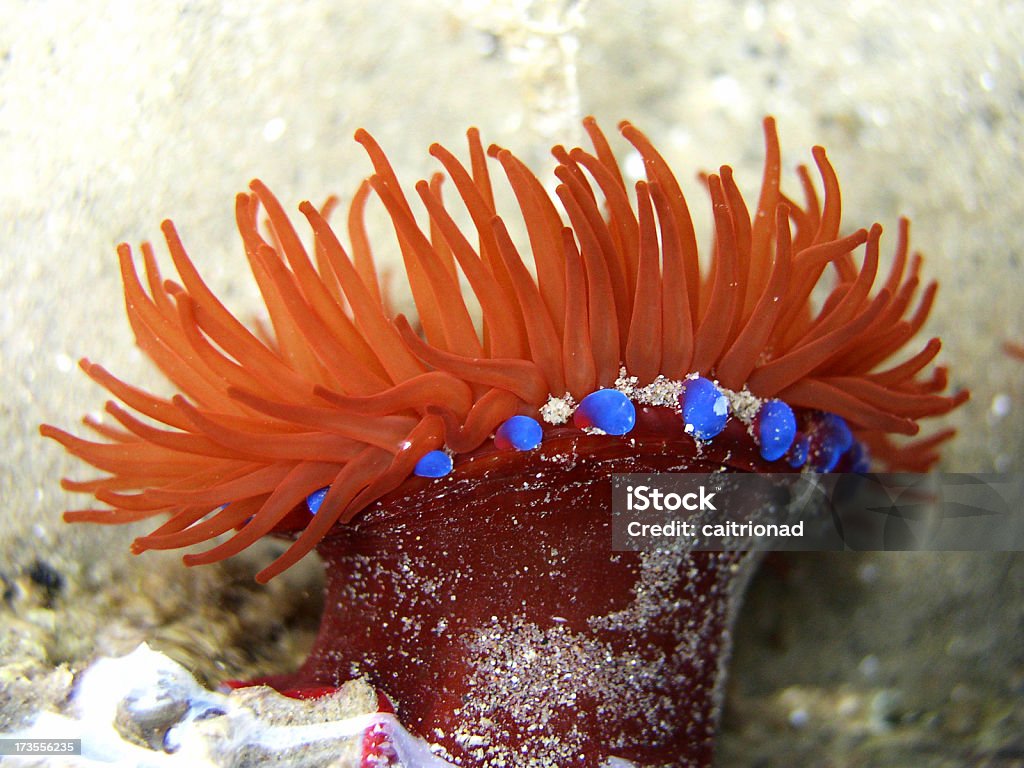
x,y
490,608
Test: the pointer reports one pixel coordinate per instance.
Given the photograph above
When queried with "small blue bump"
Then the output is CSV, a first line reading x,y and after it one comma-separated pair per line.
x,y
608,410
520,432
839,431
859,458
776,429
832,439
798,453
315,499
433,464
705,408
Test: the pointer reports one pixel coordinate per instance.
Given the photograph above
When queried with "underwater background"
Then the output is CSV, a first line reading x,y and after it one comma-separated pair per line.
x,y
114,116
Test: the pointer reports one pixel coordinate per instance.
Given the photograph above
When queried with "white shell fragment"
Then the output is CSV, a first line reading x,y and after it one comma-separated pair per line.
x,y
144,709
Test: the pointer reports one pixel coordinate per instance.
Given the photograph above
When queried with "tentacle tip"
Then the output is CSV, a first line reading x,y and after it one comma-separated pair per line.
x,y
319,390
55,433
192,561
235,392
1014,350
281,564
910,427
404,327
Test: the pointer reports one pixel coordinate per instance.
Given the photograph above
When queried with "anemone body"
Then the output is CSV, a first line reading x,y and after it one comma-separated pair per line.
x,y
339,394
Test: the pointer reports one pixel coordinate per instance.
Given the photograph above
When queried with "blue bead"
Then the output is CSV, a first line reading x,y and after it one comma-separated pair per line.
x,y
798,454
832,439
705,408
520,432
315,499
608,410
776,429
860,459
433,464
839,431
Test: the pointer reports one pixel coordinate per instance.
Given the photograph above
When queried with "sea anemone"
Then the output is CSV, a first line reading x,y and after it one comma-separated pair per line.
x,y
455,474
